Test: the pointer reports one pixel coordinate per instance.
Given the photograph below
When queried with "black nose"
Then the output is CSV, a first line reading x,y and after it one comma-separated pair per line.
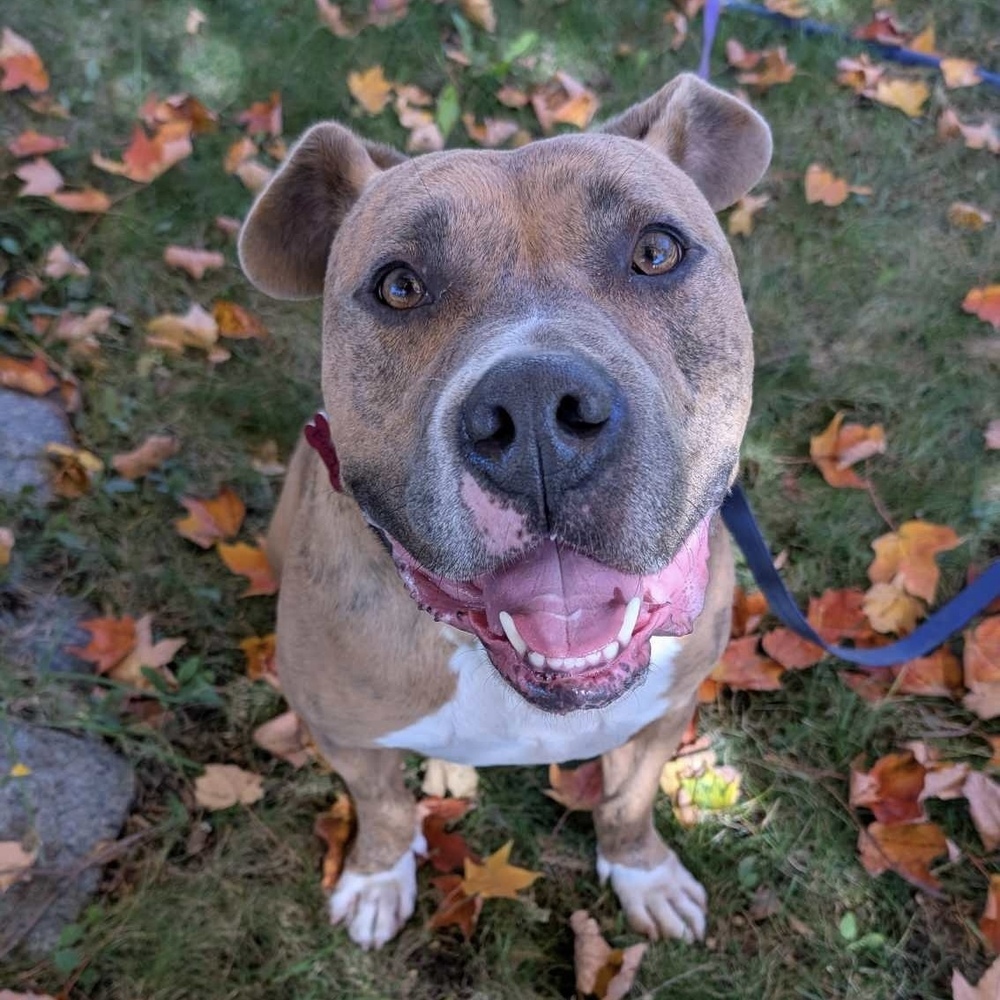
x,y
537,425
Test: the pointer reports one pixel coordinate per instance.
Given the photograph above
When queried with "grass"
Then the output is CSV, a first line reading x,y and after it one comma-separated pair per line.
x,y
854,308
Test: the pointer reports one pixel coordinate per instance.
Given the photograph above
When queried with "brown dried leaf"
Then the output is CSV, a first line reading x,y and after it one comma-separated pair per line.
x,y
31,376
14,862
602,971
744,669
6,546
225,785
989,922
908,96
905,848
892,789
983,795
112,639
984,303
335,827
196,262
480,13
73,470
196,328
988,987
962,215
790,650
236,322
286,737
150,455
959,73
577,789
263,117
564,100
146,655
60,263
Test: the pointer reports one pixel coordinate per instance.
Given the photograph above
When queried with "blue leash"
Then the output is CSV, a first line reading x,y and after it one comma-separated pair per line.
x,y
739,519
947,620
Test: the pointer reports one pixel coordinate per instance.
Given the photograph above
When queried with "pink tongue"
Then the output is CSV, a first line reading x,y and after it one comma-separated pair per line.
x,y
562,603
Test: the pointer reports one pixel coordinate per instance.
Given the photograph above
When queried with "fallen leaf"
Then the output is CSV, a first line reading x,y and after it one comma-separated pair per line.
x,y
225,785
195,262
239,152
984,700
492,133
989,922
959,73
679,25
904,848
335,827
6,545
60,263
991,435
988,987
179,108
860,74
263,117
228,224
11,995
748,610
21,64
150,455
111,640
906,557
983,795
984,303
823,186
936,675
564,100
698,787
795,9
333,17
891,609
370,89
579,788
839,614
196,328
31,376
496,878
741,219
962,215
146,655
14,862
147,157
892,789
236,322
32,143
480,13
744,669
908,96
73,470
22,288
286,737
266,459
249,561
841,445
425,138
194,20
261,659
924,41
601,971
740,57
790,650
983,136
447,850
40,178
442,778
80,332
512,97
254,175
87,199
772,68
211,520
456,909
882,28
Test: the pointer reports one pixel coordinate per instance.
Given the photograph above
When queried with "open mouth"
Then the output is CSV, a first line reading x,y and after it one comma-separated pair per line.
x,y
565,631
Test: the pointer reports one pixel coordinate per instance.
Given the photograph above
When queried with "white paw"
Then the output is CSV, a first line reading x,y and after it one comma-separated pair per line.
x,y
661,902
442,777
375,906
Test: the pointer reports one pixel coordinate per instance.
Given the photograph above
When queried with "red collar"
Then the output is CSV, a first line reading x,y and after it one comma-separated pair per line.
x,y
317,434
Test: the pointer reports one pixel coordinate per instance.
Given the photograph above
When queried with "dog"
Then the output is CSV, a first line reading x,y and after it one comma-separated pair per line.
x,y
506,548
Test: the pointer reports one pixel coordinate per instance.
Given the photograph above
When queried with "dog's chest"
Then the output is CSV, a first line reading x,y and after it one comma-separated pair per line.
x,y
486,722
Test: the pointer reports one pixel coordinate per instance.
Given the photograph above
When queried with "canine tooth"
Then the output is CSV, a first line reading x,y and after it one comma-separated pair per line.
x,y
631,617
513,636
536,659
610,651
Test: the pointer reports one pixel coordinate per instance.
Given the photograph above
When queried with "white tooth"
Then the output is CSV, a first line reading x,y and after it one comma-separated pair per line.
x,y
513,636
536,660
555,662
575,662
592,659
631,617
610,651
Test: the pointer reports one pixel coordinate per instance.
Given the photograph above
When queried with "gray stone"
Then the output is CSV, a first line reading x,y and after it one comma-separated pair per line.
x,y
77,794
27,425
37,627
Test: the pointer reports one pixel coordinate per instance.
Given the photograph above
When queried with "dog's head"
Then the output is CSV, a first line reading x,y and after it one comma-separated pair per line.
x,y
537,367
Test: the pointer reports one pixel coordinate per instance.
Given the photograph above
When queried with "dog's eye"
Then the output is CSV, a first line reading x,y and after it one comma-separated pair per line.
x,y
401,288
656,252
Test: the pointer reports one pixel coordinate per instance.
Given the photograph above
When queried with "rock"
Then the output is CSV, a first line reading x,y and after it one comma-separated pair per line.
x,y
77,794
36,628
27,425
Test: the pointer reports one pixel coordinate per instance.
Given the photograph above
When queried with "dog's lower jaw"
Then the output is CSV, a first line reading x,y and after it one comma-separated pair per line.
x,y
375,906
665,901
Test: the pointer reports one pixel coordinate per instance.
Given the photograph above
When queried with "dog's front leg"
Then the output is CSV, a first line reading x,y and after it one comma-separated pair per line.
x,y
377,892
659,896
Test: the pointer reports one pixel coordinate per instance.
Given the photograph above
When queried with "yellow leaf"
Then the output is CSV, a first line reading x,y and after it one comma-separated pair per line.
x,y
909,96
146,654
480,13
370,89
741,219
73,470
495,878
20,770
906,557
960,73
249,561
962,215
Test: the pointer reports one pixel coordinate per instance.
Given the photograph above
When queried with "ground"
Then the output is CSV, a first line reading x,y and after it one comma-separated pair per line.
x,y
854,308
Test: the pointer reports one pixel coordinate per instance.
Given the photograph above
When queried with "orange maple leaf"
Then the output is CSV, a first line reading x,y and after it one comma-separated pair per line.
x,y
31,376
748,610
840,446
496,878
790,650
577,789
263,116
261,660
21,64
249,561
87,199
335,828
236,322
984,303
937,675
892,789
989,922
907,557
150,455
744,669
563,100
821,185
839,614
32,143
193,260
772,68
147,157
905,848
447,850
112,639
456,909
210,520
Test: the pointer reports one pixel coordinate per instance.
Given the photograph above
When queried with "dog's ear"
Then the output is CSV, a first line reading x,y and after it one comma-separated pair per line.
x,y
286,239
717,140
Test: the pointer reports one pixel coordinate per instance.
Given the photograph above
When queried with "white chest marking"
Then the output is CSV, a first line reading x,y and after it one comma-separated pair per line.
x,y
487,722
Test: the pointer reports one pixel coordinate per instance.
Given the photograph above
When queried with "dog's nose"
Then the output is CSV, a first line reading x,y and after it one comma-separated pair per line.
x,y
537,425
